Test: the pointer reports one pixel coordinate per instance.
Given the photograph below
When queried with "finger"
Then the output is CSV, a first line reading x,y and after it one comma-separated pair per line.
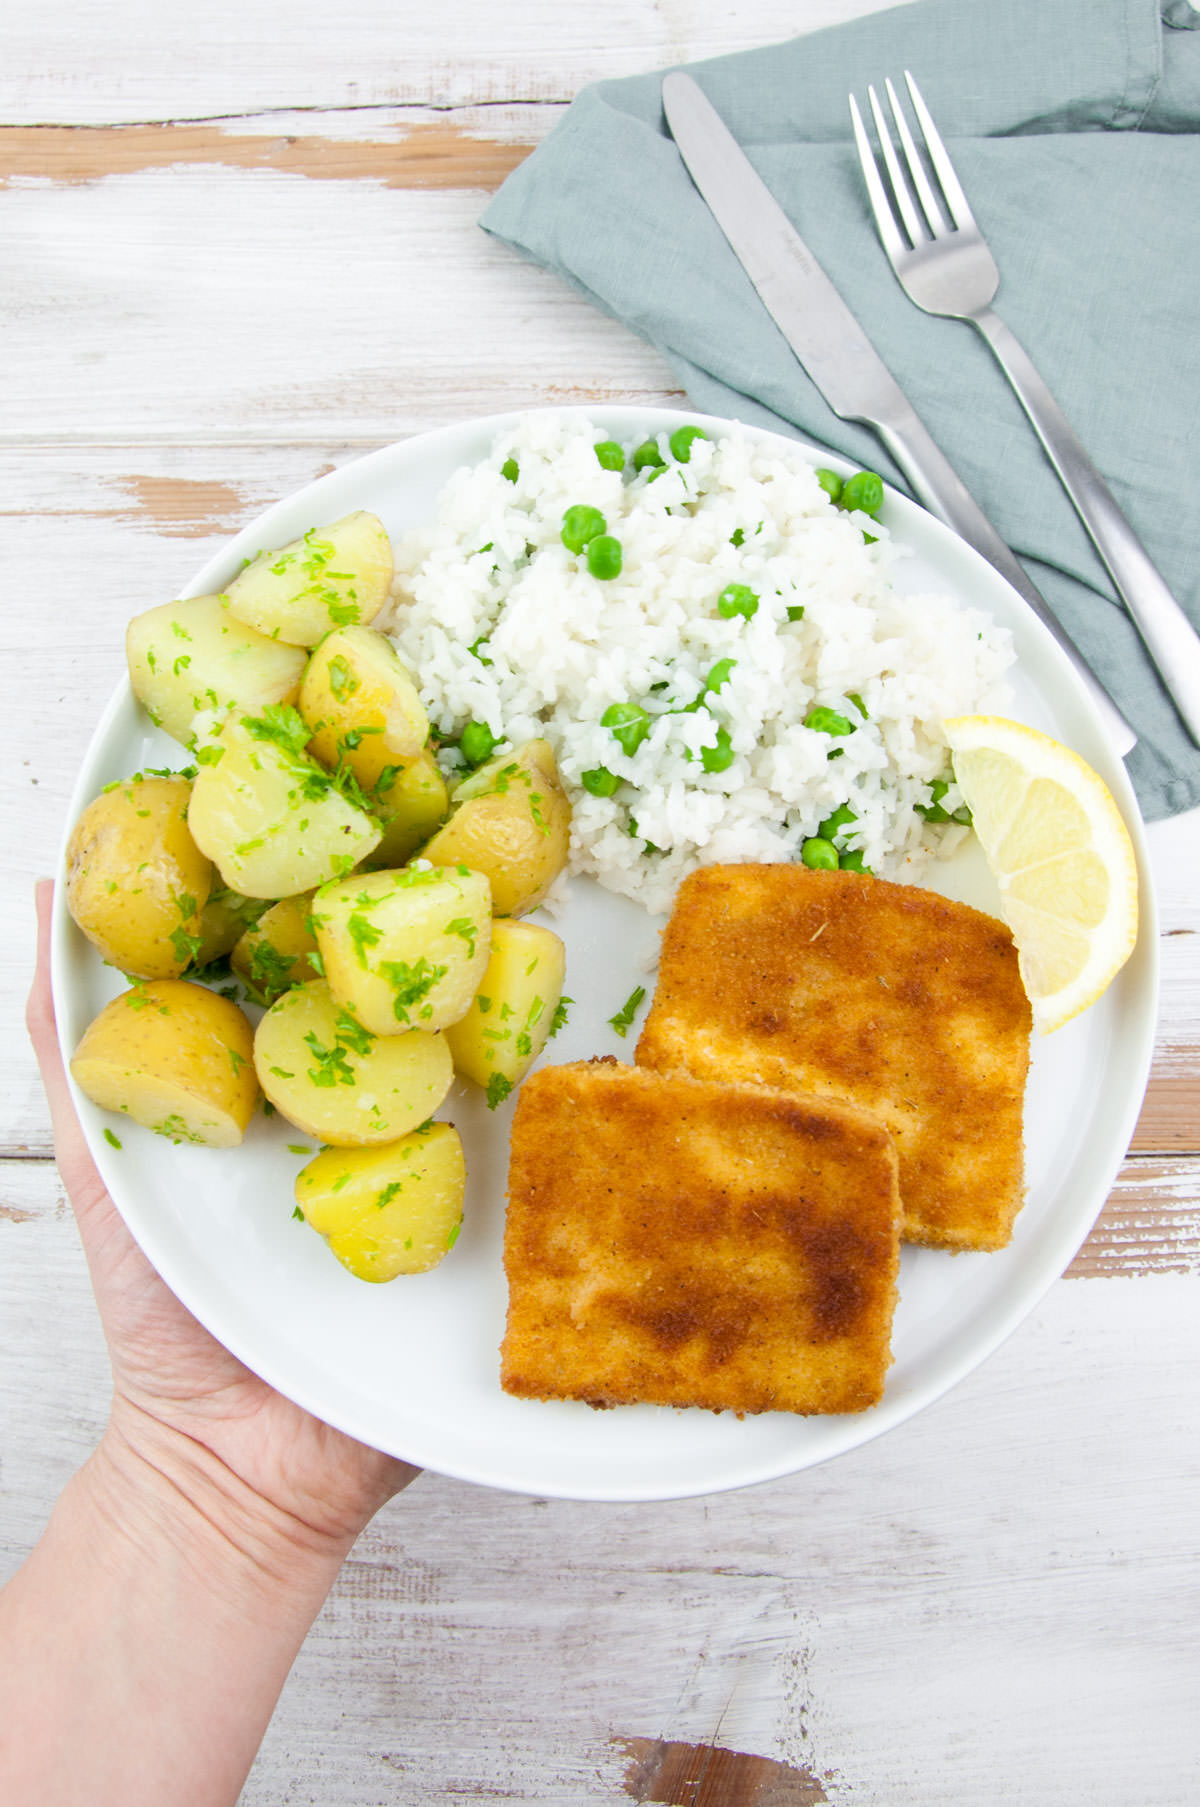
x,y
84,1186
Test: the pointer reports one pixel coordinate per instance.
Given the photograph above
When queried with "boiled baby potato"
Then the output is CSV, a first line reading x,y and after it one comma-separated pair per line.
x,y
389,1210
512,1015
175,1058
410,806
272,818
361,705
336,1081
511,820
225,918
193,663
136,880
333,576
272,956
405,950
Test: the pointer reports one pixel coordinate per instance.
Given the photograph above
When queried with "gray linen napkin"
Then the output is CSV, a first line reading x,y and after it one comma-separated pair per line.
x,y
1075,125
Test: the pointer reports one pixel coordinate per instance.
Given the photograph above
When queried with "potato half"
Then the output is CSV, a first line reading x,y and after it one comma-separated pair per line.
x,y
406,949
136,880
175,1058
332,576
410,807
512,1014
270,816
336,1081
193,663
272,956
361,705
511,820
389,1210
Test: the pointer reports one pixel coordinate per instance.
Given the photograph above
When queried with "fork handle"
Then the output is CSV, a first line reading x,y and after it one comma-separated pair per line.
x,y
938,485
1170,638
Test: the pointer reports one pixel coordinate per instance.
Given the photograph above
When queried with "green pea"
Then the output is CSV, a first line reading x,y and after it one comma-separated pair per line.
x,y
681,442
933,811
795,611
610,455
842,817
819,855
827,721
581,523
720,757
853,862
717,676
863,491
604,556
630,725
510,469
647,454
477,743
600,782
830,482
737,599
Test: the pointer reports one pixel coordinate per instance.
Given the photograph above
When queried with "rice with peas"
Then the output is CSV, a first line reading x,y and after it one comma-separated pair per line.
x,y
502,625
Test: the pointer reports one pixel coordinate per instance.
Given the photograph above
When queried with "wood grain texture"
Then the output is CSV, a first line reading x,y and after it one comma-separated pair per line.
x,y
242,248
126,62
432,154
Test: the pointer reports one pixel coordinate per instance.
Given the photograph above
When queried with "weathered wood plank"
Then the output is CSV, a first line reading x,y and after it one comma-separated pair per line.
x,y
424,154
127,63
496,1646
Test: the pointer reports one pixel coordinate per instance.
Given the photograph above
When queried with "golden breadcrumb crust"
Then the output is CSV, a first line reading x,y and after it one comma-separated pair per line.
x,y
850,987
679,1242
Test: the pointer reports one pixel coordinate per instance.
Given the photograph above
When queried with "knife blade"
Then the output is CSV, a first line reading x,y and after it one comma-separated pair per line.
x,y
828,341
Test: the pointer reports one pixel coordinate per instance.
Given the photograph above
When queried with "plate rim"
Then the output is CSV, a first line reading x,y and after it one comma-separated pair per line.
x,y
854,1431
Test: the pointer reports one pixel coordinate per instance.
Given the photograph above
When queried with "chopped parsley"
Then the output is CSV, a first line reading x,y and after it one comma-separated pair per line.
x,y
559,1019
623,1019
113,1141
498,1089
410,983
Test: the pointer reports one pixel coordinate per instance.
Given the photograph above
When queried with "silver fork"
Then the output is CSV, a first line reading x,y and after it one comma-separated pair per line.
x,y
944,264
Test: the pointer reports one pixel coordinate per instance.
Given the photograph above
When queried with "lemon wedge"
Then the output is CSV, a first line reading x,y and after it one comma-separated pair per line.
x,y
1055,840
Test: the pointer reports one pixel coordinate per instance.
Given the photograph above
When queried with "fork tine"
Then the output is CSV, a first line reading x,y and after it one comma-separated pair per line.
x,y
913,224
939,157
893,239
916,167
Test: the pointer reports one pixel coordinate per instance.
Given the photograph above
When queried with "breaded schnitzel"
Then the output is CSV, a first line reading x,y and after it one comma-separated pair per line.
x,y
677,1242
845,986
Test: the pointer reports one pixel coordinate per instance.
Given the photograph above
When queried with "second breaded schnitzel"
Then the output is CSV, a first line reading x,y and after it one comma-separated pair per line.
x,y
682,1243
851,987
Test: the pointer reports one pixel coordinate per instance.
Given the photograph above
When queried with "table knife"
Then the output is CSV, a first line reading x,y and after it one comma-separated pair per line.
x,y
838,356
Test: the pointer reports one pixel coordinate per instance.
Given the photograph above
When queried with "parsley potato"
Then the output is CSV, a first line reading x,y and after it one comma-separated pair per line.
x,y
512,1014
175,1058
273,954
271,818
510,820
225,918
405,949
193,663
389,1210
410,806
330,577
361,705
136,880
336,1081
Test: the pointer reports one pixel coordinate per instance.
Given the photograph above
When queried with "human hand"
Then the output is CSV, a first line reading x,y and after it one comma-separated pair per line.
x,y
181,1401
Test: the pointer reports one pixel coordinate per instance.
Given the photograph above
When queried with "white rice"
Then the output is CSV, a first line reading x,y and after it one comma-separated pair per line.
x,y
491,573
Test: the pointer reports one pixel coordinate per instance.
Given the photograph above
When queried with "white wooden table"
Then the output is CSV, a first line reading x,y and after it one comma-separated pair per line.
x,y
240,247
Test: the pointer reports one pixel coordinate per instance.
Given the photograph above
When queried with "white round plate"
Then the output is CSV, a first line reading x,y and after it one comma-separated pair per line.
x,y
412,1367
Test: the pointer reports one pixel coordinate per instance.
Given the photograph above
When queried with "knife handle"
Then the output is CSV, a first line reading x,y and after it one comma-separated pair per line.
x,y
942,491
